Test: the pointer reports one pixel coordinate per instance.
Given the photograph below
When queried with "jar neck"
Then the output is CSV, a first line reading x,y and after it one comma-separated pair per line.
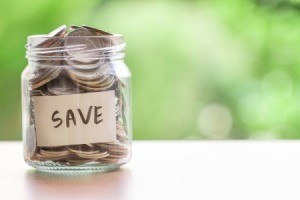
x,y
73,62
83,50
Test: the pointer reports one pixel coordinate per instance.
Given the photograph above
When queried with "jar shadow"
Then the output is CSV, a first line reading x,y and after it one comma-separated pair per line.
x,y
111,185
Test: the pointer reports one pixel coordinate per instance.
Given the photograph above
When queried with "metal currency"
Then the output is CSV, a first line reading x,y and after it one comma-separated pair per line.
x,y
82,70
52,37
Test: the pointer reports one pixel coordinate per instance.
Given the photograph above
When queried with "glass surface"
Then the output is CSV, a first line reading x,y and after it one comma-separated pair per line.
x,y
51,73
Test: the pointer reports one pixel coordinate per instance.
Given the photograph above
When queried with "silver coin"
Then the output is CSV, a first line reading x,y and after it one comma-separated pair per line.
x,y
94,156
104,41
83,152
96,31
89,76
96,88
102,81
60,31
50,157
44,152
77,37
51,39
73,27
35,92
91,46
62,86
43,78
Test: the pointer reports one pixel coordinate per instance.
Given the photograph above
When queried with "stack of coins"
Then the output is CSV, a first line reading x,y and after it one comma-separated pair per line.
x,y
81,71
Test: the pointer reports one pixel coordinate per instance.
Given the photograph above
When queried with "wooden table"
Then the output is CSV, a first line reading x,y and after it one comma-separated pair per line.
x,y
233,170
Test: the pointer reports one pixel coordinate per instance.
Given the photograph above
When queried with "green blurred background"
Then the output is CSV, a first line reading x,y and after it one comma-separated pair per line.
x,y
221,69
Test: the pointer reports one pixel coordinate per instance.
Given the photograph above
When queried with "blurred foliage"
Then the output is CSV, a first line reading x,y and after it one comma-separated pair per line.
x,y
201,69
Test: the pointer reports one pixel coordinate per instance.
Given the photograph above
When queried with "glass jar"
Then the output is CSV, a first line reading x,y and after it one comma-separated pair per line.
x,y
76,111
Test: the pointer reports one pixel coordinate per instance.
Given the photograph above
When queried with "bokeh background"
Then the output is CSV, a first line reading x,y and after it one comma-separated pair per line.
x,y
222,69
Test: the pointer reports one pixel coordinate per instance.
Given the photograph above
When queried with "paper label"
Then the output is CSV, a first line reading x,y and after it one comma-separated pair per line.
x,y
75,119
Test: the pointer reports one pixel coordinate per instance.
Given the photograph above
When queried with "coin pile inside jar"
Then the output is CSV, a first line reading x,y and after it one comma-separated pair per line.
x,y
84,72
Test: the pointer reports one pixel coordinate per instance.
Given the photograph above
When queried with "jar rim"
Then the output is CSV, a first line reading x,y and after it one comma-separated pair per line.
x,y
62,47
40,36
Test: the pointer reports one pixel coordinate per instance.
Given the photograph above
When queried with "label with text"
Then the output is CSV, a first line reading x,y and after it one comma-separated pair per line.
x,y
75,119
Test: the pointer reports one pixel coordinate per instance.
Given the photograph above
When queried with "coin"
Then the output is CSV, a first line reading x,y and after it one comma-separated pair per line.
x,y
96,31
62,86
73,27
89,74
73,63
50,39
105,86
60,31
94,156
78,37
82,47
53,154
45,77
104,41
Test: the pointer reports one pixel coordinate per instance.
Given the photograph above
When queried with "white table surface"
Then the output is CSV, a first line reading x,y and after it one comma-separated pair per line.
x,y
202,170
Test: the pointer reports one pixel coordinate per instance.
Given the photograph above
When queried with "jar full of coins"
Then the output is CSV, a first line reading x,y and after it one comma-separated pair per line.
x,y
76,112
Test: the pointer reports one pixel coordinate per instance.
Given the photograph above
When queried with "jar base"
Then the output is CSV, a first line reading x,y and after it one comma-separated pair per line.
x,y
86,168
